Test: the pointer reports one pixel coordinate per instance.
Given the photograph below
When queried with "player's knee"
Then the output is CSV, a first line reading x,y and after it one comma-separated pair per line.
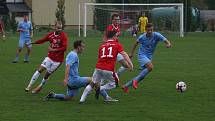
x,y
150,67
47,75
41,69
20,49
68,98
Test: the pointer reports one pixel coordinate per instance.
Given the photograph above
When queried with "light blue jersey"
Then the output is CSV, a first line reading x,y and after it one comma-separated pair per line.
x,y
27,27
148,46
75,81
73,60
25,35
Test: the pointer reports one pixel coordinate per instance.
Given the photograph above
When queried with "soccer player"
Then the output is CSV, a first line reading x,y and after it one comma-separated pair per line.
x,y
72,79
2,28
107,54
148,42
116,27
58,45
26,33
143,20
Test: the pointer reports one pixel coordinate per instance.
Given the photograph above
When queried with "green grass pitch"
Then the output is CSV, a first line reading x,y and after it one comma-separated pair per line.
x,y
191,59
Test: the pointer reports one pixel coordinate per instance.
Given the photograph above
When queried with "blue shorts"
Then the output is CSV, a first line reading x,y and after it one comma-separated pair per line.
x,y
22,42
143,60
75,84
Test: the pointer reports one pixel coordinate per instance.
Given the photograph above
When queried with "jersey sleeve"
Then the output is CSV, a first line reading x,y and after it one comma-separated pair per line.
x,y
161,37
70,59
120,48
139,39
31,27
109,28
19,26
44,39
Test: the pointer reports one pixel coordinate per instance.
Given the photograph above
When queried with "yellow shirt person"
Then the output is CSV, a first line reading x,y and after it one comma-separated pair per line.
x,y
143,20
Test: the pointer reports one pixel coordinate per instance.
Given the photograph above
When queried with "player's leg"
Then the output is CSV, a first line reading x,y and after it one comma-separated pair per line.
x,y
71,92
103,90
96,81
123,63
19,49
51,68
29,47
110,85
72,89
35,77
144,62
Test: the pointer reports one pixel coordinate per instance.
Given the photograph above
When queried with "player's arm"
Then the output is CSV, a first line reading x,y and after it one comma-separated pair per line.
x,y
19,28
128,60
65,82
167,43
41,41
31,31
133,49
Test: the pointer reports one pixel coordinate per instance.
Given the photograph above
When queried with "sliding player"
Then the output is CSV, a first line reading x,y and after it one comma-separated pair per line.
x,y
72,79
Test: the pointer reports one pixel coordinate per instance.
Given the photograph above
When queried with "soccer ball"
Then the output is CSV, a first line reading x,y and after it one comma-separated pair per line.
x,y
181,86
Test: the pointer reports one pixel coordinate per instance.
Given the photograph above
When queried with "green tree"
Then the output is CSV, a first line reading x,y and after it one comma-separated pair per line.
x,y
13,22
60,11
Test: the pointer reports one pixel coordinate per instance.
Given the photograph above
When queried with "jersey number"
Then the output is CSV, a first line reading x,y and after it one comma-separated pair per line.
x,y
105,54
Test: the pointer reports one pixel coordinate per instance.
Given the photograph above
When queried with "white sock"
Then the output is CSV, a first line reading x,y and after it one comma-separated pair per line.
x,y
34,78
121,70
108,86
85,93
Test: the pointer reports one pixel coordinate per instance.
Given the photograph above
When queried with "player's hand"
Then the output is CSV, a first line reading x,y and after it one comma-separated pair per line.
x,y
65,82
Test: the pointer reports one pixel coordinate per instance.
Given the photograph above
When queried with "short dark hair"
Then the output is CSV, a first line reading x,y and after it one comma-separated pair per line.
x,y
114,15
148,25
111,34
77,43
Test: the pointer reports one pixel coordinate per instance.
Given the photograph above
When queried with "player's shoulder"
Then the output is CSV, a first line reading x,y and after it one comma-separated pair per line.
x,y
63,33
72,54
50,33
29,22
157,33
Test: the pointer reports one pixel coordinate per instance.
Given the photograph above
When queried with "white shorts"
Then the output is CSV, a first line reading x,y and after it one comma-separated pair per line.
x,y
50,65
100,75
119,57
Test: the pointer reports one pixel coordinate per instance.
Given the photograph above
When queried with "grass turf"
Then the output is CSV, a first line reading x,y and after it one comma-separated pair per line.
x,y
191,59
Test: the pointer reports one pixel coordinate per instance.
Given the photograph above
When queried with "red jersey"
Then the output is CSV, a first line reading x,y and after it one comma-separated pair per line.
x,y
116,28
107,55
58,42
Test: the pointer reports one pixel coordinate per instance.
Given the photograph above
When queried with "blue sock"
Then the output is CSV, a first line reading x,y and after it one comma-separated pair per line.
x,y
26,57
59,96
17,57
139,77
103,93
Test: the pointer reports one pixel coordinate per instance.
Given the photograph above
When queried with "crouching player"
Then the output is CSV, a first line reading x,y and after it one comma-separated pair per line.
x,y
107,55
72,79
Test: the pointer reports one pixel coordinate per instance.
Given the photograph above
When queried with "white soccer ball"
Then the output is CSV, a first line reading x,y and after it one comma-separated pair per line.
x,y
181,86
134,35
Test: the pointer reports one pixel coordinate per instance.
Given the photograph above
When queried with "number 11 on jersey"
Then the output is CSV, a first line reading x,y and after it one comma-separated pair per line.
x,y
107,54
